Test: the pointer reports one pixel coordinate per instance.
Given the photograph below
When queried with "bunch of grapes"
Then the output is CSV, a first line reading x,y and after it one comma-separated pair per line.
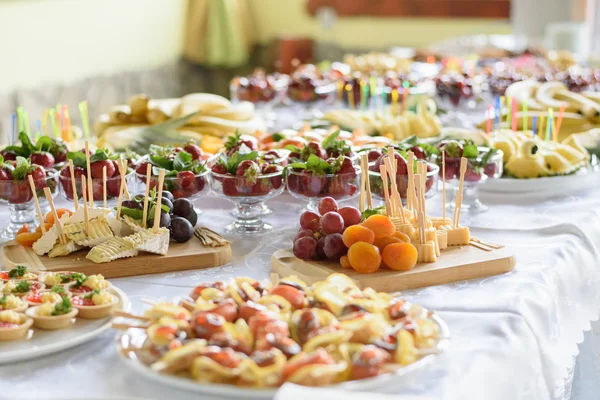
x,y
320,235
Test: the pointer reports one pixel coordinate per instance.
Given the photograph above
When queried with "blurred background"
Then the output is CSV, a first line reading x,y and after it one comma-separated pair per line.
x,y
65,51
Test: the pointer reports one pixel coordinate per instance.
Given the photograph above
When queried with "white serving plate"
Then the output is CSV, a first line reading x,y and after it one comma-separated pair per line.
x,y
134,338
550,186
40,343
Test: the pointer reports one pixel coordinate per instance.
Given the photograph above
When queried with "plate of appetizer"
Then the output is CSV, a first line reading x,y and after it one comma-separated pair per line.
x,y
246,338
64,310
133,239
395,246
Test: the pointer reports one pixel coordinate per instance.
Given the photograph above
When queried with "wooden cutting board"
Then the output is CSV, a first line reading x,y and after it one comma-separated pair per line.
x,y
181,257
454,264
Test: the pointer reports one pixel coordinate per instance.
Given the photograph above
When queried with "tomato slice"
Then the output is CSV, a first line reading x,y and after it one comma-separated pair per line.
x,y
7,325
4,275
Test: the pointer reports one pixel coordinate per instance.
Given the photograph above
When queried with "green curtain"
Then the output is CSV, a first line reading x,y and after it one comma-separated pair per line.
x,y
218,33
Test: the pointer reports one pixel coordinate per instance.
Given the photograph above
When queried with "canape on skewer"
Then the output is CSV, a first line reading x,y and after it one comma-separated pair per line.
x,y
53,316
96,304
19,273
13,325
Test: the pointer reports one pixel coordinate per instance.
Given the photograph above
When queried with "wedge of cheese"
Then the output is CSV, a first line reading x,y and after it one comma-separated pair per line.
x,y
134,224
150,242
457,236
44,244
99,232
114,248
60,250
93,213
119,228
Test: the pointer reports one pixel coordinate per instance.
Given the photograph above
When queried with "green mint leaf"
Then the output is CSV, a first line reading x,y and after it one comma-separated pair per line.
x,y
22,168
253,155
167,174
44,144
17,272
182,161
75,276
372,211
78,158
292,148
278,137
470,151
100,155
429,149
297,165
58,289
330,140
22,287
134,213
317,165
17,150
165,208
62,308
91,294
79,278
26,144
3,300
244,149
233,140
161,162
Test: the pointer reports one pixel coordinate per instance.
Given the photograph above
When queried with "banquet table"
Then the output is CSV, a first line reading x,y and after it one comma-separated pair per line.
x,y
513,336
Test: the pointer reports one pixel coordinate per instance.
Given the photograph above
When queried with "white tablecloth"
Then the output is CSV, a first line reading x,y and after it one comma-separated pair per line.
x,y
513,336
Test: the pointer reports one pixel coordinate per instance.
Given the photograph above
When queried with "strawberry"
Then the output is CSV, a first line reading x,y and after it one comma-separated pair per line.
x,y
178,194
374,154
271,156
293,183
276,181
229,187
117,170
340,187
472,175
453,149
141,169
313,148
96,169
38,173
42,158
98,190
5,175
113,187
452,169
19,192
59,150
261,188
200,182
490,170
177,150
219,169
186,179
194,150
311,185
343,166
249,170
294,155
418,152
8,155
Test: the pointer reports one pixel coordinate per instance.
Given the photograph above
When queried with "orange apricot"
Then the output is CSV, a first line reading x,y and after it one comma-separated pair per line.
x,y
28,238
364,257
380,225
345,262
382,242
46,224
60,212
402,236
357,233
400,256
24,228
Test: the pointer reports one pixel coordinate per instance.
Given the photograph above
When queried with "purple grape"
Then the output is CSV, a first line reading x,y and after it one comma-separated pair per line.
x,y
305,248
334,247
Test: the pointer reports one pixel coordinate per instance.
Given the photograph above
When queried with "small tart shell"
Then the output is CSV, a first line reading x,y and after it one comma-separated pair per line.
x,y
32,304
52,322
42,286
43,275
18,309
96,312
17,332
33,278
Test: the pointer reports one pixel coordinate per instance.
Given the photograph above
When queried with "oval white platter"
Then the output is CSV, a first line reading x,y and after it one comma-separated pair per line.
x,y
134,338
40,343
553,185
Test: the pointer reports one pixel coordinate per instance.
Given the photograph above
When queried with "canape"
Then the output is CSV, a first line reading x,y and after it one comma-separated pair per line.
x,y
95,305
54,295
52,316
20,288
60,278
88,284
13,325
13,303
18,273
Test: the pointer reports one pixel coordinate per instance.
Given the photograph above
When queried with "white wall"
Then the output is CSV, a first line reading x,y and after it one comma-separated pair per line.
x,y
62,41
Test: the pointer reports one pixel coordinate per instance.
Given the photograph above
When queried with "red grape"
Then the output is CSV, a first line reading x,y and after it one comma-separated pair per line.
x,y
351,215
334,247
305,248
327,204
332,222
320,251
303,233
310,220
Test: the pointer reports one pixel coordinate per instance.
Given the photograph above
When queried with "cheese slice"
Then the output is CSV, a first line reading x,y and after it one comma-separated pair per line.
x,y
134,224
44,244
431,236
148,241
425,252
439,221
93,213
114,248
457,236
99,232
442,239
119,228
60,250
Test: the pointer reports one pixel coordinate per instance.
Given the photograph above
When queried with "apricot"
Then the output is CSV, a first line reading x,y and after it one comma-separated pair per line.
x,y
364,257
402,236
380,225
400,256
28,238
382,242
46,224
60,212
23,229
345,262
357,233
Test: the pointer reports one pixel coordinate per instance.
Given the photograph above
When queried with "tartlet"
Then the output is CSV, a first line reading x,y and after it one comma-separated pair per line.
x,y
35,298
13,331
59,278
90,310
18,273
12,303
20,288
42,320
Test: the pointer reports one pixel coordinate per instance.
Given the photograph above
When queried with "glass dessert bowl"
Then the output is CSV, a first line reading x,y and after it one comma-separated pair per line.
x,y
377,187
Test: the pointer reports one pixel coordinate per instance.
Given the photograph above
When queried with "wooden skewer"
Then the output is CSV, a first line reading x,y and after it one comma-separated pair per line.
x,y
422,168
90,194
124,327
396,199
104,202
86,222
57,221
149,301
487,243
443,186
123,171
389,171
419,211
365,172
74,185
121,189
384,179
363,189
479,246
37,204
411,196
459,195
148,176
130,316
157,210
